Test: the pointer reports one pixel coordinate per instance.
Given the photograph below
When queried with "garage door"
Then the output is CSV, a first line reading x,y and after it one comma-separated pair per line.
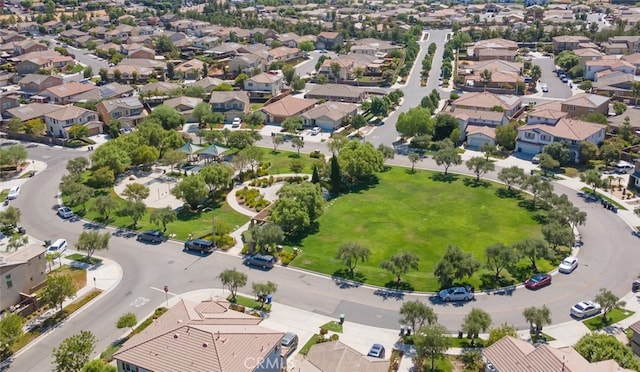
x,y
528,148
477,141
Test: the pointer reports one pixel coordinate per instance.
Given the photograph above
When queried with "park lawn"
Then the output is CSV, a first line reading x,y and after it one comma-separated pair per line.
x,y
281,160
414,213
614,316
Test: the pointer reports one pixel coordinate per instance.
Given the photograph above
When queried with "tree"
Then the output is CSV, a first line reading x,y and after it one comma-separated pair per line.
x,y
292,124
104,205
299,205
431,341
298,84
444,126
480,166
202,112
289,73
98,365
10,216
596,347
535,73
57,289
358,121
17,241
335,177
277,140
77,165
240,80
265,237
548,163
455,265
417,314
485,76
625,131
136,192
192,189
592,178
495,334
558,234
477,320
298,143
37,126
387,151
537,316
351,253
608,301
588,152
379,106
335,70
135,210
510,176
413,158
127,320
499,257
10,332
558,151
537,187
163,216
78,131
506,136
567,59
111,155
262,290
167,116
307,46
360,161
232,280
487,149
400,264
15,155
218,176
92,241
533,249
74,352
447,157
415,122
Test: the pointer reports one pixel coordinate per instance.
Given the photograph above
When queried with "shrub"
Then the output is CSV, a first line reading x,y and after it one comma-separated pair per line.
x,y
334,337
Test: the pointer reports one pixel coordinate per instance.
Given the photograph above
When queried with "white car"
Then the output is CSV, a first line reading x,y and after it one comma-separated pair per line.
x,y
545,87
585,309
13,193
315,131
65,212
568,265
236,123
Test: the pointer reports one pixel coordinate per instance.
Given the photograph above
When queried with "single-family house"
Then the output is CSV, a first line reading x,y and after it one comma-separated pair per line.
x,y
487,101
58,122
478,135
114,90
128,110
159,88
289,39
504,74
32,111
71,92
32,84
584,103
625,44
613,64
28,46
347,68
337,92
278,111
27,28
335,356
139,52
373,47
22,271
634,59
43,60
588,54
285,54
497,48
207,83
233,104
569,42
613,83
246,63
204,336
191,69
546,113
12,37
532,138
184,105
329,115
329,40
264,85
510,354
635,327
8,100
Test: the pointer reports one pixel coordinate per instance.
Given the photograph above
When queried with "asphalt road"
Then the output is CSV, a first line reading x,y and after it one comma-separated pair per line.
x,y
557,89
309,66
81,55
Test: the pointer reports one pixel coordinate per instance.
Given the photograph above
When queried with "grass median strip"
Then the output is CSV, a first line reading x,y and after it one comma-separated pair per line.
x,y
614,316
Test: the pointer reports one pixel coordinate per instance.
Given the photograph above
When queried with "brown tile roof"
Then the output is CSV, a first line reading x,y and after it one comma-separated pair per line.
x,y
194,64
334,356
569,129
473,115
161,86
487,100
282,51
191,102
497,65
586,100
332,110
496,43
481,129
289,106
265,78
23,254
32,110
200,337
632,58
222,97
336,90
69,89
68,113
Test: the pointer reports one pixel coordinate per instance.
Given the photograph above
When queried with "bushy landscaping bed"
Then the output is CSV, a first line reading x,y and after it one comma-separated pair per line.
x,y
421,214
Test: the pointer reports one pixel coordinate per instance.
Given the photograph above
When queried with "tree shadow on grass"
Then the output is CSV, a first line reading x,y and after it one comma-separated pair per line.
x,y
505,193
472,182
399,286
296,239
488,281
540,218
522,272
529,205
441,177
344,280
410,171
363,185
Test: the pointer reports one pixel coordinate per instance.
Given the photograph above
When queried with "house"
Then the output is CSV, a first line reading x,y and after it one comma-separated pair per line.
x,y
27,28
264,85
159,88
478,135
190,70
614,83
497,48
28,46
337,92
570,42
634,59
59,121
207,83
588,54
546,113
71,92
129,110
510,354
114,90
504,74
205,336
184,105
624,45
8,100
329,115
233,104
593,67
334,356
140,52
35,83
32,111
372,47
329,40
49,59
246,63
585,103
486,101
285,54
289,39
533,137
22,271
278,111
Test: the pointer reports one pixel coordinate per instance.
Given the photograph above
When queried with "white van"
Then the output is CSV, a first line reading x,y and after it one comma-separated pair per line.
x,y
59,245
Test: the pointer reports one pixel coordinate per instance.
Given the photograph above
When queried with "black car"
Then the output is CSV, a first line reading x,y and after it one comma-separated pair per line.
x,y
151,236
260,260
201,245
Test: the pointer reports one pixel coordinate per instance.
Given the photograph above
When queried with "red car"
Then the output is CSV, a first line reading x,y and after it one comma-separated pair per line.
x,y
538,281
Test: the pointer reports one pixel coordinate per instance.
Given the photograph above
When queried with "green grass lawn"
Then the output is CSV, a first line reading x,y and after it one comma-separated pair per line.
x,y
281,160
614,316
251,303
312,341
332,326
465,342
415,213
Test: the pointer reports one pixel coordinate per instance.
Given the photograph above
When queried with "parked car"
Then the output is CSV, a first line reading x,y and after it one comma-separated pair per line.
x,y
544,87
536,158
585,309
564,79
261,260
201,245
538,281
315,131
59,246
151,236
376,351
65,212
13,193
289,341
623,167
568,265
236,123
456,294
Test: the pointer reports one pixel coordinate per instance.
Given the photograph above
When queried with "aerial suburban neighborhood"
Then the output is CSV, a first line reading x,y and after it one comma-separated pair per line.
x,y
279,185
